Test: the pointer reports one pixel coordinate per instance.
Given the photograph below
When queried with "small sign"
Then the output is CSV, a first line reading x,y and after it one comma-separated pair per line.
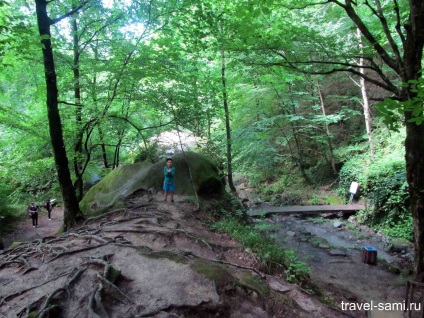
x,y
354,187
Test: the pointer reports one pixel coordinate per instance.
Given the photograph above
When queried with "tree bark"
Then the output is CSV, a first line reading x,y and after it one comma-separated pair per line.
x,y
78,165
71,206
327,129
365,100
227,124
414,142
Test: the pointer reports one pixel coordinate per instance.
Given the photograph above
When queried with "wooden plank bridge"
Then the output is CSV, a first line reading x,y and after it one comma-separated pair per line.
x,y
264,210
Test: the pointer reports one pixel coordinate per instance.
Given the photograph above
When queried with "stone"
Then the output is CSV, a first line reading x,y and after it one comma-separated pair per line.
x,y
258,201
278,285
291,233
247,310
399,245
305,233
335,252
337,224
120,183
303,302
324,246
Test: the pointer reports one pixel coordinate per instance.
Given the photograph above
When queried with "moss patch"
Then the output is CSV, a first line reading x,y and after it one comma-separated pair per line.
x,y
125,180
247,280
112,274
119,183
214,272
16,244
177,258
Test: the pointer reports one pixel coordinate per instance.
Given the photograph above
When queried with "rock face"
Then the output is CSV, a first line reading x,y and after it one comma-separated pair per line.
x,y
125,180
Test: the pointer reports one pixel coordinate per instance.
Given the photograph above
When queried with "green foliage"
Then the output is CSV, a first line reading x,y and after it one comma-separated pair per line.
x,y
382,181
317,220
392,111
9,212
150,153
265,248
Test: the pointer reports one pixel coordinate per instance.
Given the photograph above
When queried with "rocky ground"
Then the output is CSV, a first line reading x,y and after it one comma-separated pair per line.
x,y
332,248
148,259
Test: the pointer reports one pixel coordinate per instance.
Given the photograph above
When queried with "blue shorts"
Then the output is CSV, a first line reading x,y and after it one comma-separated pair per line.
x,y
168,187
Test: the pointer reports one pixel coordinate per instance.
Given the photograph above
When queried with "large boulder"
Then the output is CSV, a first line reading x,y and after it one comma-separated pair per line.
x,y
127,179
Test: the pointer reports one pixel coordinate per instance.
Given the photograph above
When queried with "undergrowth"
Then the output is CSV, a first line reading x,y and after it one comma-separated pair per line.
x,y
382,180
265,248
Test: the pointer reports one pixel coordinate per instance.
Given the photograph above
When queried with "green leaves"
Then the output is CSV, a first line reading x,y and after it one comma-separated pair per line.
x,y
393,111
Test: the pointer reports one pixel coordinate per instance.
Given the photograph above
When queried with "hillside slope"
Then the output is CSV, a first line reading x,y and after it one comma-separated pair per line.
x,y
148,259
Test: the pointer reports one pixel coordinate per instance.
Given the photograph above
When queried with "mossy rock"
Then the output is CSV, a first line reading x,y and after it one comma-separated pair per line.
x,y
205,174
121,182
224,277
247,280
175,257
214,272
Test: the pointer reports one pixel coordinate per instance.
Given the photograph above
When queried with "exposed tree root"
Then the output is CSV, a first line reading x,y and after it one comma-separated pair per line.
x,y
78,251
17,261
114,287
94,218
91,313
11,296
90,237
46,308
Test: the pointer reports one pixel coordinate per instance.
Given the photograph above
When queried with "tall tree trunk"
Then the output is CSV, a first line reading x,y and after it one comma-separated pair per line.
x,y
327,129
102,145
414,142
365,100
118,149
94,95
299,149
227,124
71,207
78,165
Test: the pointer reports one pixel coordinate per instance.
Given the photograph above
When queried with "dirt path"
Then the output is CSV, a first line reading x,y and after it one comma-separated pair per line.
x,y
25,232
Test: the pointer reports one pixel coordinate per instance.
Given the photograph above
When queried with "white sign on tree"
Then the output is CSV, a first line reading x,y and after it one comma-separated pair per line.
x,y
353,189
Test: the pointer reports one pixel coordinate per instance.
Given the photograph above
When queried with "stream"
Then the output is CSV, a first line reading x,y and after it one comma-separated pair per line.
x,y
332,248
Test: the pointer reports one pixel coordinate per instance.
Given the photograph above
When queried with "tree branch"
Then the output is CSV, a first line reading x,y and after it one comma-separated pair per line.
x,y
386,30
398,23
386,82
69,103
350,11
54,21
139,128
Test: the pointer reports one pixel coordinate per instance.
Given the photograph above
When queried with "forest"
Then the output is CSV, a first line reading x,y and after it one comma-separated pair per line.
x,y
293,98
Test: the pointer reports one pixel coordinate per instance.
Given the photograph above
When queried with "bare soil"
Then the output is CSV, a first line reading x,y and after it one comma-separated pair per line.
x,y
25,232
149,259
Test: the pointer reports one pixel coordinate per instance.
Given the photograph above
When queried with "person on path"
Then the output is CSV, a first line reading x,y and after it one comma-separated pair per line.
x,y
168,184
49,207
33,211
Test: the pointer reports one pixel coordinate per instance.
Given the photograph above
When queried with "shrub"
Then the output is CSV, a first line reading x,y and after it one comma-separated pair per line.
x,y
382,181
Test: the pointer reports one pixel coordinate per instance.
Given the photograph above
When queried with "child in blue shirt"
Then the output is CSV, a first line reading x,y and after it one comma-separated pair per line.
x,y
168,184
